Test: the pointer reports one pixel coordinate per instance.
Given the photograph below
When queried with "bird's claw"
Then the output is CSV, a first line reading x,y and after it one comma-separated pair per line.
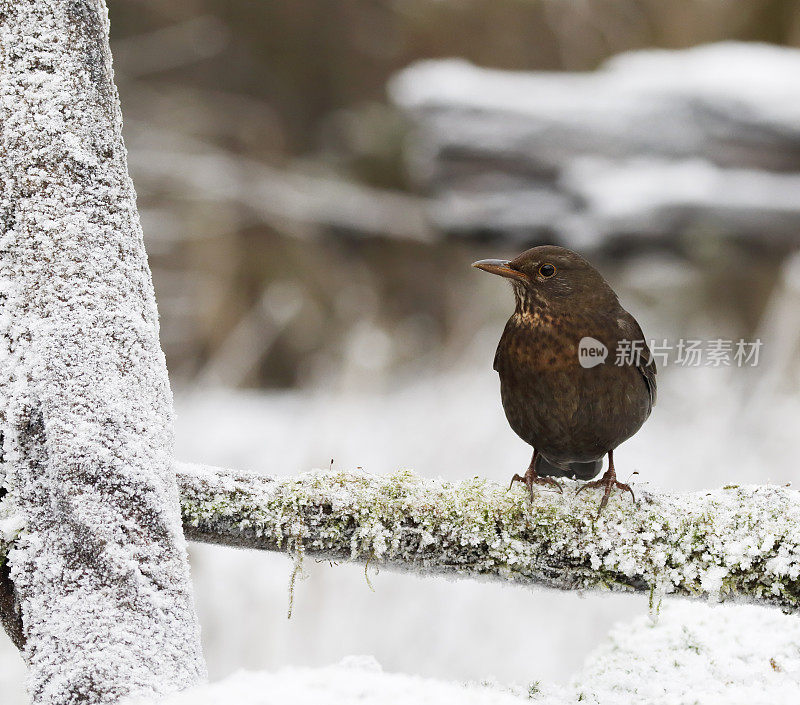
x,y
516,478
608,482
531,478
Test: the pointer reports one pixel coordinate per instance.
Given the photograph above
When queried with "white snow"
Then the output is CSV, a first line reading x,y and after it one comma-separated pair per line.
x,y
11,525
12,675
756,78
654,143
689,544
100,568
725,655
355,680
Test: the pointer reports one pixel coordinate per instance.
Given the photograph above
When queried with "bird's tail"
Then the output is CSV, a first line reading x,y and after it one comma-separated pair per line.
x,y
575,470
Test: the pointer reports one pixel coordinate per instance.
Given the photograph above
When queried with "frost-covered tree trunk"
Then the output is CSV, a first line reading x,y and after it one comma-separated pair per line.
x,y
99,570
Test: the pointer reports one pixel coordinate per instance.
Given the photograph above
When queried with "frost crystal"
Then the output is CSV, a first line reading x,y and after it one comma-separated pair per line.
x,y
684,544
100,568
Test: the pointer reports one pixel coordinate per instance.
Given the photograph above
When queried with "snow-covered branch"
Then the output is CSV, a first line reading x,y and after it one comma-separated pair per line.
x,y
653,145
289,200
100,576
740,543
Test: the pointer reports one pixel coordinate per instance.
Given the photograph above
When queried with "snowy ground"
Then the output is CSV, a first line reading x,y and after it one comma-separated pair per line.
x,y
452,425
731,655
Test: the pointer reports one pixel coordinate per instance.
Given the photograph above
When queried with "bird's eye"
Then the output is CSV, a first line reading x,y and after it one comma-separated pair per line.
x,y
547,270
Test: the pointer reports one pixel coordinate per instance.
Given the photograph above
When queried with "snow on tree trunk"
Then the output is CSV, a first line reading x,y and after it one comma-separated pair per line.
x,y
99,570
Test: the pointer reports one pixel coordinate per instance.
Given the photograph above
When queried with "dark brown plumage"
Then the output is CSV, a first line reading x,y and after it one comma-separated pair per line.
x,y
571,414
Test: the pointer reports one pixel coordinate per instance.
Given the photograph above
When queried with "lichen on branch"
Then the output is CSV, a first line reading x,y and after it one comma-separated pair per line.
x,y
740,543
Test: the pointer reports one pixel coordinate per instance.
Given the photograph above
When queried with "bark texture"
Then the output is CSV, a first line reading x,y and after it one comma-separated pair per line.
x,y
736,543
99,565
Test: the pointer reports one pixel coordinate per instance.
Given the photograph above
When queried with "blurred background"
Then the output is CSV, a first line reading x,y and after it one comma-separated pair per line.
x,y
314,180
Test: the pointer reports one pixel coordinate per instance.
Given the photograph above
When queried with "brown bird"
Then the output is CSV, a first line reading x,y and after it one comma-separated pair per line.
x,y
576,376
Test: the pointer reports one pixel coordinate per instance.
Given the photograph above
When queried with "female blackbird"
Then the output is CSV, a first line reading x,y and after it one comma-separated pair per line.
x,y
576,376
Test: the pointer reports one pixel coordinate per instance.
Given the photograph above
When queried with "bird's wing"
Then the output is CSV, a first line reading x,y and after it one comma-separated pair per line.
x,y
648,371
646,364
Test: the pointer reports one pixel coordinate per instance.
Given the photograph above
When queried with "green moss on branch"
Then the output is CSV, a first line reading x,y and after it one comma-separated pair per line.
x,y
739,543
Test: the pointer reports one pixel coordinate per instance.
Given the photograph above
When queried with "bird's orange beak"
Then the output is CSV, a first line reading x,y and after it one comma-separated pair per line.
x,y
502,267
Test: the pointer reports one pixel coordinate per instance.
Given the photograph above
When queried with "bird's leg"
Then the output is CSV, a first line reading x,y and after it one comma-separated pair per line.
x,y
531,478
608,482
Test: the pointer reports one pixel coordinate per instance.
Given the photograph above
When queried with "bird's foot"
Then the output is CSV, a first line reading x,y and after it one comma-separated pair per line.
x,y
608,482
531,478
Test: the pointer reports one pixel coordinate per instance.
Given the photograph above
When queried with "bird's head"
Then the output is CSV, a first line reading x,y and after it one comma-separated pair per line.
x,y
547,275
